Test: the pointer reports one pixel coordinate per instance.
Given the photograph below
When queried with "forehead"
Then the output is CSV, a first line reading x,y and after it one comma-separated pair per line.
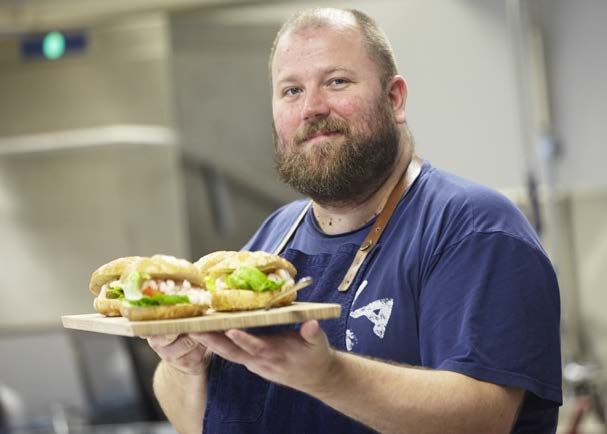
x,y
320,48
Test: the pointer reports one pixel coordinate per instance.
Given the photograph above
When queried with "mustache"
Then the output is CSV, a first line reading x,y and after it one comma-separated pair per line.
x,y
323,126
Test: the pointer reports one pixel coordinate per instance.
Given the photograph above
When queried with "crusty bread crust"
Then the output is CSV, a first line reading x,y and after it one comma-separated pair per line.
x,y
208,261
139,313
109,272
227,300
165,267
263,261
107,306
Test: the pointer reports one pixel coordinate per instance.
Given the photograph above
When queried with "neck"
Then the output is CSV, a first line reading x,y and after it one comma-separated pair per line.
x,y
336,219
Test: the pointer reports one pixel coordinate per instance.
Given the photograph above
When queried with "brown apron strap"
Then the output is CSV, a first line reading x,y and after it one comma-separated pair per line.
x,y
382,220
292,229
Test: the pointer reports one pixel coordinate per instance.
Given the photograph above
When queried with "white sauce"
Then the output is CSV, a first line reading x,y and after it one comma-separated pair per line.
x,y
281,274
220,283
195,294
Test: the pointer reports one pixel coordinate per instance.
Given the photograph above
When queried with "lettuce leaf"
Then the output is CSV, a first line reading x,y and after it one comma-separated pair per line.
x,y
132,285
246,277
209,283
160,300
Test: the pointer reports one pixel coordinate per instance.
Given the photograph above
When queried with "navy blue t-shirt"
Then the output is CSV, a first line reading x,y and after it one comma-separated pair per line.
x,y
458,282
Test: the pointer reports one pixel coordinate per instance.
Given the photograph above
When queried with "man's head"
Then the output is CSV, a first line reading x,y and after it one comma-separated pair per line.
x,y
377,44
337,105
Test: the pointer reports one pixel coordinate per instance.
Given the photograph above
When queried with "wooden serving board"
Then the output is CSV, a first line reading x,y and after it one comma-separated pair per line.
x,y
294,313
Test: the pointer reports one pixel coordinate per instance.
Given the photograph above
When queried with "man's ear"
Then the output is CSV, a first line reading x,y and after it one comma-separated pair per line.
x,y
397,91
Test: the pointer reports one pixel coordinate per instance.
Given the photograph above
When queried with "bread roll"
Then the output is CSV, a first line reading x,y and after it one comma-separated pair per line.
x,y
164,267
138,313
205,263
159,268
227,300
107,306
261,260
110,272
220,264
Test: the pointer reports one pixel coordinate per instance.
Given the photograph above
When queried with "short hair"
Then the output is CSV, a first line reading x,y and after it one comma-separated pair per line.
x,y
377,44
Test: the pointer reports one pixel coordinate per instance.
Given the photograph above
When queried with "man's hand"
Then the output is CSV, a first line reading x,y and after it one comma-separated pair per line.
x,y
179,380
302,360
181,352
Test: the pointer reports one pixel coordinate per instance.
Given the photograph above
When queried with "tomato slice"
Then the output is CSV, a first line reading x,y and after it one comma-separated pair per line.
x,y
150,292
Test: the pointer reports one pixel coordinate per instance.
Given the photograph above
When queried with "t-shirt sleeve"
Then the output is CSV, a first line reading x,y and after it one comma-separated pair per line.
x,y
490,309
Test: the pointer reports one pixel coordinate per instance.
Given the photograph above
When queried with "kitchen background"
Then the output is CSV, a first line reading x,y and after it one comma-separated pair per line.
x,y
152,133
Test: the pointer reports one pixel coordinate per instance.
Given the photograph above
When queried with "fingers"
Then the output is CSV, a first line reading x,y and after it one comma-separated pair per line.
x,y
171,347
182,352
311,332
161,340
249,343
223,346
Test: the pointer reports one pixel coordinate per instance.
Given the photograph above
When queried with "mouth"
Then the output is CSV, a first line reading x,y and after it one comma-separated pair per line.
x,y
321,136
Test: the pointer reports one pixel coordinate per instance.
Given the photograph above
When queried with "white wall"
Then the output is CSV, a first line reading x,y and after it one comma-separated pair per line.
x,y
576,35
65,212
462,105
122,78
95,194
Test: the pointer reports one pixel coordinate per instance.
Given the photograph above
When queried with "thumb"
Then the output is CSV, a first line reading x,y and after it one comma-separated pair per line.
x,y
312,333
161,340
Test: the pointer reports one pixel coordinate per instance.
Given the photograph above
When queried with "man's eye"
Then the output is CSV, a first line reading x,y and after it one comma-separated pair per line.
x,y
292,91
338,81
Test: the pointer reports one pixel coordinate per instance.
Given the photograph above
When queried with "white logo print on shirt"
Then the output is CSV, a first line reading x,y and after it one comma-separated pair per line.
x,y
351,340
378,312
379,319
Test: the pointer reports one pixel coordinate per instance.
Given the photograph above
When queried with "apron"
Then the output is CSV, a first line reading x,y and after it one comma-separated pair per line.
x,y
239,401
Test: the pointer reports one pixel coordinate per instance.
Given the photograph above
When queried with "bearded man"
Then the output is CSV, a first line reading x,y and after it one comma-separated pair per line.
x,y
450,306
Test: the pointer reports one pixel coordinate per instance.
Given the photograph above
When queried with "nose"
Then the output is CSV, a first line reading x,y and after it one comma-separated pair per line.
x,y
315,106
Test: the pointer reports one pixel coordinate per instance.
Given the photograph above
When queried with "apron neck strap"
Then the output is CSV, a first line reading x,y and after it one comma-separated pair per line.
x,y
406,180
292,229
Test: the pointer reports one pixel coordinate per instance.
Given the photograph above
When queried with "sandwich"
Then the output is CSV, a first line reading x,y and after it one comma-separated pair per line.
x,y
148,288
246,280
105,284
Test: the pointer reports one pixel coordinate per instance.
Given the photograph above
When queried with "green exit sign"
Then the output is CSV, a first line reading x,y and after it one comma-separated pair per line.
x,y
53,45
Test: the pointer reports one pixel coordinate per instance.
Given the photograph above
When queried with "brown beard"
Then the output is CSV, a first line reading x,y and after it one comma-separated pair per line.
x,y
338,173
